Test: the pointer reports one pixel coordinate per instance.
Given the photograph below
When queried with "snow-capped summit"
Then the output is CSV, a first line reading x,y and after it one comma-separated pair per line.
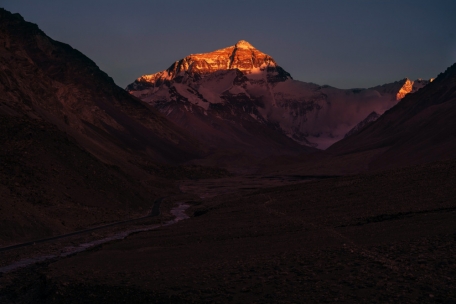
x,y
242,44
241,85
241,56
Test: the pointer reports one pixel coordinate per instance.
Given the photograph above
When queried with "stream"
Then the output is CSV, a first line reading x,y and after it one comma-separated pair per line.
x,y
178,211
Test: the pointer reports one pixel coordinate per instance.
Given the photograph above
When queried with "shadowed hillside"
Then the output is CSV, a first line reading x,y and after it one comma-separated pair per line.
x,y
76,150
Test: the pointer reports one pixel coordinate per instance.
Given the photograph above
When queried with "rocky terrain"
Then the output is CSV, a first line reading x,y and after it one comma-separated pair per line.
x,y
223,95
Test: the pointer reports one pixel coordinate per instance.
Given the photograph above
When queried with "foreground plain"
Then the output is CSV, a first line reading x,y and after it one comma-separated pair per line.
x,y
376,237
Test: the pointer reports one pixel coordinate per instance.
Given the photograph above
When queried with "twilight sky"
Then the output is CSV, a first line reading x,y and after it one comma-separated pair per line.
x,y
343,43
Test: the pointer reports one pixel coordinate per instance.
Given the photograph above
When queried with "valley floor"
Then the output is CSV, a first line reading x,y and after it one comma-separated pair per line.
x,y
376,237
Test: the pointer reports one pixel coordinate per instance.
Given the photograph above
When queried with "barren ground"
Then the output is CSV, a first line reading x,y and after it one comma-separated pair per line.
x,y
379,237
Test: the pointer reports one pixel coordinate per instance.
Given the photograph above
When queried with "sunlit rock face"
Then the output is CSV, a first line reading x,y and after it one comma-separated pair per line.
x,y
241,56
243,86
411,86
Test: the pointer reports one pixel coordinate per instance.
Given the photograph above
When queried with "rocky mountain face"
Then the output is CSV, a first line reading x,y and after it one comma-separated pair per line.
x,y
411,86
402,87
76,150
419,129
220,96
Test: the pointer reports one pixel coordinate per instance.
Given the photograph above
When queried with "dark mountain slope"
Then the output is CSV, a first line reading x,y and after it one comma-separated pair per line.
x,y
75,149
420,128
51,80
49,185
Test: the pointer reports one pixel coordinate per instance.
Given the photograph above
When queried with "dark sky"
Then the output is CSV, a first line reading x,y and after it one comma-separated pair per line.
x,y
343,43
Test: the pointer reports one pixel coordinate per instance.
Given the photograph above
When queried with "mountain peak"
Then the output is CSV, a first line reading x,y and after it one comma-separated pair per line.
x,y
242,44
242,56
411,86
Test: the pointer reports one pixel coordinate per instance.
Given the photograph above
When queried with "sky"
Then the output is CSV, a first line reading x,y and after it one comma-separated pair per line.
x,y
342,43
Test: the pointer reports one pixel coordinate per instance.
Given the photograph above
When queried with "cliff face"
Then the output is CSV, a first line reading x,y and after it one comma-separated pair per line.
x,y
246,87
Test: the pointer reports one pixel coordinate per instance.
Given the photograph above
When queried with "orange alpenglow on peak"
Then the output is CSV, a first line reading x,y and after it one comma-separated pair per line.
x,y
242,56
411,86
407,87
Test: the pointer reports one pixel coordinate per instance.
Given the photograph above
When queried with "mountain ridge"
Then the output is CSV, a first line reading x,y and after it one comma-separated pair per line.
x,y
310,114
